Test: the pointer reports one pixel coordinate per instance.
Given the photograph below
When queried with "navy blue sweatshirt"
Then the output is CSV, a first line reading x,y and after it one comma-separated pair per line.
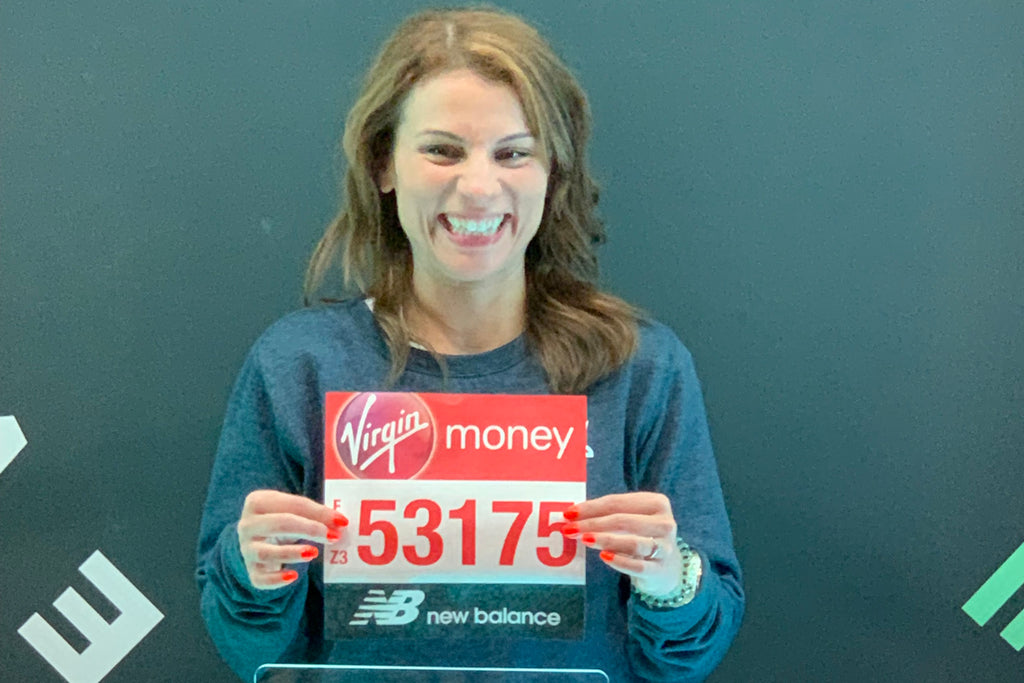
x,y
647,432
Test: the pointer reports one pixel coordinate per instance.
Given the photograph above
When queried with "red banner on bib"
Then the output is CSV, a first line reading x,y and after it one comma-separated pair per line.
x,y
376,435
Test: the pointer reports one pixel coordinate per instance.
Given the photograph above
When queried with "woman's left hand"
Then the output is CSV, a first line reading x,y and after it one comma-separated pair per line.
x,y
636,534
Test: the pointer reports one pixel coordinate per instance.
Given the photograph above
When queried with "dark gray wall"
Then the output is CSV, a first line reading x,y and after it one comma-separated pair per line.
x,y
826,200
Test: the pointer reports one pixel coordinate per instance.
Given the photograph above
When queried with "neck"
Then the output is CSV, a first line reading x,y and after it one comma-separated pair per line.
x,y
464,319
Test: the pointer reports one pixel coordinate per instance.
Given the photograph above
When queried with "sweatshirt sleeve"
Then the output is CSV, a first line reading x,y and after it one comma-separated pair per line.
x,y
672,454
249,626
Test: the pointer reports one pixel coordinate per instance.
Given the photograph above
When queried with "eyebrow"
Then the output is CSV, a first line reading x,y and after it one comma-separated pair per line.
x,y
453,136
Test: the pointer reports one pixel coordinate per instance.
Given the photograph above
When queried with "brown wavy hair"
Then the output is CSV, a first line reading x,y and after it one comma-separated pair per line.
x,y
578,332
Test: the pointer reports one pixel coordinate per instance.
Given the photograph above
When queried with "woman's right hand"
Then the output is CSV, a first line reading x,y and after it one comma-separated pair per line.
x,y
271,528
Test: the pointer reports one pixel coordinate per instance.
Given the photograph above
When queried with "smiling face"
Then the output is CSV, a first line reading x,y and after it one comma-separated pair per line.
x,y
470,181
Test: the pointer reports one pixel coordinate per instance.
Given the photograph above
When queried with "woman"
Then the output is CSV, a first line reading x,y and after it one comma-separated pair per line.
x,y
469,224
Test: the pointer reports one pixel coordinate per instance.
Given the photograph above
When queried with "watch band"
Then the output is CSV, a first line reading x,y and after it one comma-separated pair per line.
x,y
689,582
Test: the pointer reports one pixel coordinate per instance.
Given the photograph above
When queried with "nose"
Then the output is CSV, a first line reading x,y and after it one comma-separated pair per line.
x,y
479,179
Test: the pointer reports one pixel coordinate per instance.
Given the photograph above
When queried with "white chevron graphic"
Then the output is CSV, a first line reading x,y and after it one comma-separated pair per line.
x,y
11,440
109,642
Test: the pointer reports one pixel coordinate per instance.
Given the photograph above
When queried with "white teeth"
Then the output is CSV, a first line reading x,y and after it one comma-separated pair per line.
x,y
487,226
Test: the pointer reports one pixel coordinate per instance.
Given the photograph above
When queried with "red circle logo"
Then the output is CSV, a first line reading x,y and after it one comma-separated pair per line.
x,y
384,435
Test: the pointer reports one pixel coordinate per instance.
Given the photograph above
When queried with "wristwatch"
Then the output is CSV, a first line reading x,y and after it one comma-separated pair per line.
x,y
688,584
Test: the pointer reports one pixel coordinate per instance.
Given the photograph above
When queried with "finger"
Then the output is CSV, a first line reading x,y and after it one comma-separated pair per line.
x,y
657,526
635,502
658,577
271,557
623,563
285,527
637,547
269,502
264,567
268,580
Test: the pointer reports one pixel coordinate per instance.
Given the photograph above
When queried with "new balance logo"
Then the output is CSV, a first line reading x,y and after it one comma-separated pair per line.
x,y
400,608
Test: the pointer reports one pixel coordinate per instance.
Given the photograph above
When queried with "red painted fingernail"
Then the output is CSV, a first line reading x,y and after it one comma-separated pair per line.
x,y
309,552
570,529
340,520
289,575
571,513
589,539
333,535
607,555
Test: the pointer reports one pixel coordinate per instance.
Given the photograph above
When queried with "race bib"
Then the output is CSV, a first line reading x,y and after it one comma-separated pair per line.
x,y
454,504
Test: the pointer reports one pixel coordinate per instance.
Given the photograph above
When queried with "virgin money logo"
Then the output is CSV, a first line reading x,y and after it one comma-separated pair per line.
x,y
385,436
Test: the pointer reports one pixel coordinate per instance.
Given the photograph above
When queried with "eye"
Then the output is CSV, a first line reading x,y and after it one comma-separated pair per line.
x,y
442,152
513,156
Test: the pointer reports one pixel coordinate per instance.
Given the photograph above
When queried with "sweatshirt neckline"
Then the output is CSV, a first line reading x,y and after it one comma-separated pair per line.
x,y
462,365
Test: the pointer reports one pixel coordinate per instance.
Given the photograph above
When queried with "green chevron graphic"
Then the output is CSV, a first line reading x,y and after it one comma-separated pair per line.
x,y
995,592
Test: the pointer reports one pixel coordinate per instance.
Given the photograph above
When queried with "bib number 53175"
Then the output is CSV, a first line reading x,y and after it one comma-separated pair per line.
x,y
430,514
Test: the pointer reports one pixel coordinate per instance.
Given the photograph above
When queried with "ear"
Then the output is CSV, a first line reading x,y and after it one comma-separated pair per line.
x,y
386,181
